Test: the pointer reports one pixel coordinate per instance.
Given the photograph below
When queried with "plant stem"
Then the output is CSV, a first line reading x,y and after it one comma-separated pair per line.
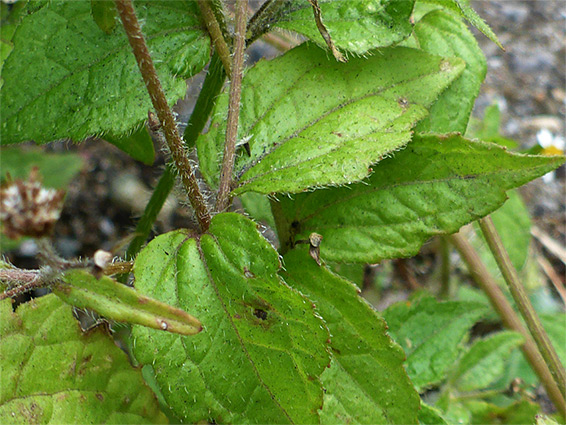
x,y
27,280
510,319
152,209
523,303
268,14
159,101
223,198
210,89
216,35
446,290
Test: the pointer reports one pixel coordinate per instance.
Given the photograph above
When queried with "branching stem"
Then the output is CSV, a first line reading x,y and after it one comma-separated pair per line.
x,y
223,198
523,303
159,101
510,319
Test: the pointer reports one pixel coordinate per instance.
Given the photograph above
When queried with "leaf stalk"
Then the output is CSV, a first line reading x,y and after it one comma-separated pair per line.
x,y
216,35
510,319
159,101
523,303
223,199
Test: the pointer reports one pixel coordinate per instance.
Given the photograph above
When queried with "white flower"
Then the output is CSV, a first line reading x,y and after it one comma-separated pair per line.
x,y
551,145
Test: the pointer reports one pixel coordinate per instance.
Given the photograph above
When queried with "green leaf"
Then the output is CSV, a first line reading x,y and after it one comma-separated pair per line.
x,y
434,186
487,130
262,348
444,34
355,26
545,420
56,169
366,382
429,415
138,145
462,8
53,373
84,82
257,206
519,413
104,14
431,333
119,302
311,121
485,361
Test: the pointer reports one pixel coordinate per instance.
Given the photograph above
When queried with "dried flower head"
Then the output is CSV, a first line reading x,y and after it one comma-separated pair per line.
x,y
29,209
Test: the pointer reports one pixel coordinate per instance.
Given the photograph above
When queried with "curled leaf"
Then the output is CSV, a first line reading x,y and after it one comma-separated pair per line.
x,y
123,304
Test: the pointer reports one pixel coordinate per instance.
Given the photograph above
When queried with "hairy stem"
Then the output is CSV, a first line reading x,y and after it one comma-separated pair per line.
x,y
159,101
268,14
510,319
210,89
233,107
21,281
523,303
216,35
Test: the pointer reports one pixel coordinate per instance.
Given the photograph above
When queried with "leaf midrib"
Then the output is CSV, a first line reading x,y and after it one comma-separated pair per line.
x,y
233,326
371,190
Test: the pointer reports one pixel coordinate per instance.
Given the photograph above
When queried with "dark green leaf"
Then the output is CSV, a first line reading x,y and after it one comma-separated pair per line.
x,y
119,302
355,26
104,14
431,332
311,121
434,186
53,373
262,349
80,82
366,382
444,34
138,145
485,361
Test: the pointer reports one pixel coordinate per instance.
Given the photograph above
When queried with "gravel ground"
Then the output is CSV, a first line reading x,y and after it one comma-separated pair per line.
x,y
527,80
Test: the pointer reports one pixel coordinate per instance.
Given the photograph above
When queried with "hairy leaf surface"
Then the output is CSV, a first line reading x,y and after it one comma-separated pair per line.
x,y
51,372
431,332
119,302
262,348
444,34
80,81
321,122
435,185
485,361
366,382
462,8
355,26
